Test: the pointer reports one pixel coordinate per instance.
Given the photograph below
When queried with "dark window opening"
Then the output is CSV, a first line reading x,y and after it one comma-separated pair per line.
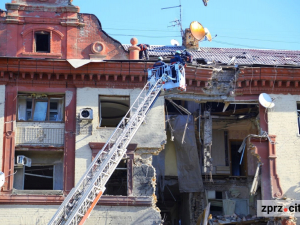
x,y
117,183
42,41
38,178
112,110
236,168
173,110
219,195
298,116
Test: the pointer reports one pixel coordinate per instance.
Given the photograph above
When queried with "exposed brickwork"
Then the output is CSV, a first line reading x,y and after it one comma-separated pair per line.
x,y
72,34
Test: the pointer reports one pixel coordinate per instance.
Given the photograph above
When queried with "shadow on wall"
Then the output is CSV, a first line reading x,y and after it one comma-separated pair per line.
x,y
293,192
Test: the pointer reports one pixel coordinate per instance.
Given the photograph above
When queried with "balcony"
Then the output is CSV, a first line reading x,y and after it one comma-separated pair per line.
x,y
40,134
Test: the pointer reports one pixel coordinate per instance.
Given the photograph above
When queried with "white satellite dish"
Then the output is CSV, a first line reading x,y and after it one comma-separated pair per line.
x,y
174,42
2,179
266,101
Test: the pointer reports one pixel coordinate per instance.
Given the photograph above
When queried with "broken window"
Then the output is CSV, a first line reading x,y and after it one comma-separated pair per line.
x,y
38,178
42,41
216,201
44,173
32,107
117,183
238,164
120,182
298,116
112,109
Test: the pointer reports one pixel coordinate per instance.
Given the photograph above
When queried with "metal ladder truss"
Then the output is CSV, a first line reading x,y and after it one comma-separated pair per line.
x,y
82,199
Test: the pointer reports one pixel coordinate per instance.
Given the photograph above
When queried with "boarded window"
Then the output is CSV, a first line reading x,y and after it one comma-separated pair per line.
x,y
112,109
42,41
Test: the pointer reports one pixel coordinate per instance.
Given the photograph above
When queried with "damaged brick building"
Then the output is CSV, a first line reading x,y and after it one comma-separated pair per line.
x,y
206,149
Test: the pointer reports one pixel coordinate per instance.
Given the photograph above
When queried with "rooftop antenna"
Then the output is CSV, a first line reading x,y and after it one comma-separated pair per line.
x,y
176,22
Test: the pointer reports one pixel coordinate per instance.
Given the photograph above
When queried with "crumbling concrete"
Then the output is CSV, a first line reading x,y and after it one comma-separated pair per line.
x,y
222,82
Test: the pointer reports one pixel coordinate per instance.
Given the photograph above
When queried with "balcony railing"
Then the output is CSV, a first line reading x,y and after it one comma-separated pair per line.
x,y
40,135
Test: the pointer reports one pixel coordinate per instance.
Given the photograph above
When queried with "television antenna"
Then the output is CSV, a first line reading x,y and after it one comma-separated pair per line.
x,y
176,22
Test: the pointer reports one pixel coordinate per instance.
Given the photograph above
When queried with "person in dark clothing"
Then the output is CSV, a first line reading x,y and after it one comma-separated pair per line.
x,y
144,50
188,57
177,58
159,63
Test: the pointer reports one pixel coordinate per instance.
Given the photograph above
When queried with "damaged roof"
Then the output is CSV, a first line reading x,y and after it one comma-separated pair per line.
x,y
224,55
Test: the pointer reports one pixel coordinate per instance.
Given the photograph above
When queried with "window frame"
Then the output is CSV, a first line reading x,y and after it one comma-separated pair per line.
x,y
245,158
34,100
35,40
128,200
96,147
100,108
298,117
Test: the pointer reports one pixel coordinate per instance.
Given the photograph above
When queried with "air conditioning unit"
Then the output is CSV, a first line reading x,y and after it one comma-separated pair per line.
x,y
86,114
2,179
23,160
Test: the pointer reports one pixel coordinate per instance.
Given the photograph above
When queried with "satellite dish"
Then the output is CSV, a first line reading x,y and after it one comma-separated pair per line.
x,y
266,101
207,36
174,42
197,30
2,179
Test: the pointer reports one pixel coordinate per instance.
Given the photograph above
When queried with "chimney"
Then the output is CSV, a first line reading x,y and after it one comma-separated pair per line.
x,y
133,49
188,41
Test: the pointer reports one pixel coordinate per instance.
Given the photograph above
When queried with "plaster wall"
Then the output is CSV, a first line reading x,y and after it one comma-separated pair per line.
x,y
170,157
283,122
2,103
114,215
149,136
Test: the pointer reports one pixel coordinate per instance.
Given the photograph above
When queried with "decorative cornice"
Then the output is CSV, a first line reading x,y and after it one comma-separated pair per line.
x,y
132,74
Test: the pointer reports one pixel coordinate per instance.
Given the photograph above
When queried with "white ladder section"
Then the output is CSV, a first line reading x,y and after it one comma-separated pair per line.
x,y
78,205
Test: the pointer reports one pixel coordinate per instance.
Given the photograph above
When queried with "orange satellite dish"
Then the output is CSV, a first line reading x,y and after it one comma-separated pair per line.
x,y
197,30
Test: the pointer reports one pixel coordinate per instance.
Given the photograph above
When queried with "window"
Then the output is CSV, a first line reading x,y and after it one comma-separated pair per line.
x,y
45,172
120,183
40,108
38,178
298,116
238,164
42,41
117,183
112,109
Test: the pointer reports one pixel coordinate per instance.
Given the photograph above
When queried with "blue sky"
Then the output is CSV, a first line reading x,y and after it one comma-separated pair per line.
x,y
263,24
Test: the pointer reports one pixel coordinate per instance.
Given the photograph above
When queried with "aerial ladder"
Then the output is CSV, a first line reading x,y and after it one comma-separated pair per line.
x,y
79,203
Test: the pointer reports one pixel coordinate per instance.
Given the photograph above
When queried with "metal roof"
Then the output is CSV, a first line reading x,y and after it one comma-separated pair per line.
x,y
224,55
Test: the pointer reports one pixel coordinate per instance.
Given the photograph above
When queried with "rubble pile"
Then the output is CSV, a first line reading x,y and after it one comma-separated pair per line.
x,y
234,218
